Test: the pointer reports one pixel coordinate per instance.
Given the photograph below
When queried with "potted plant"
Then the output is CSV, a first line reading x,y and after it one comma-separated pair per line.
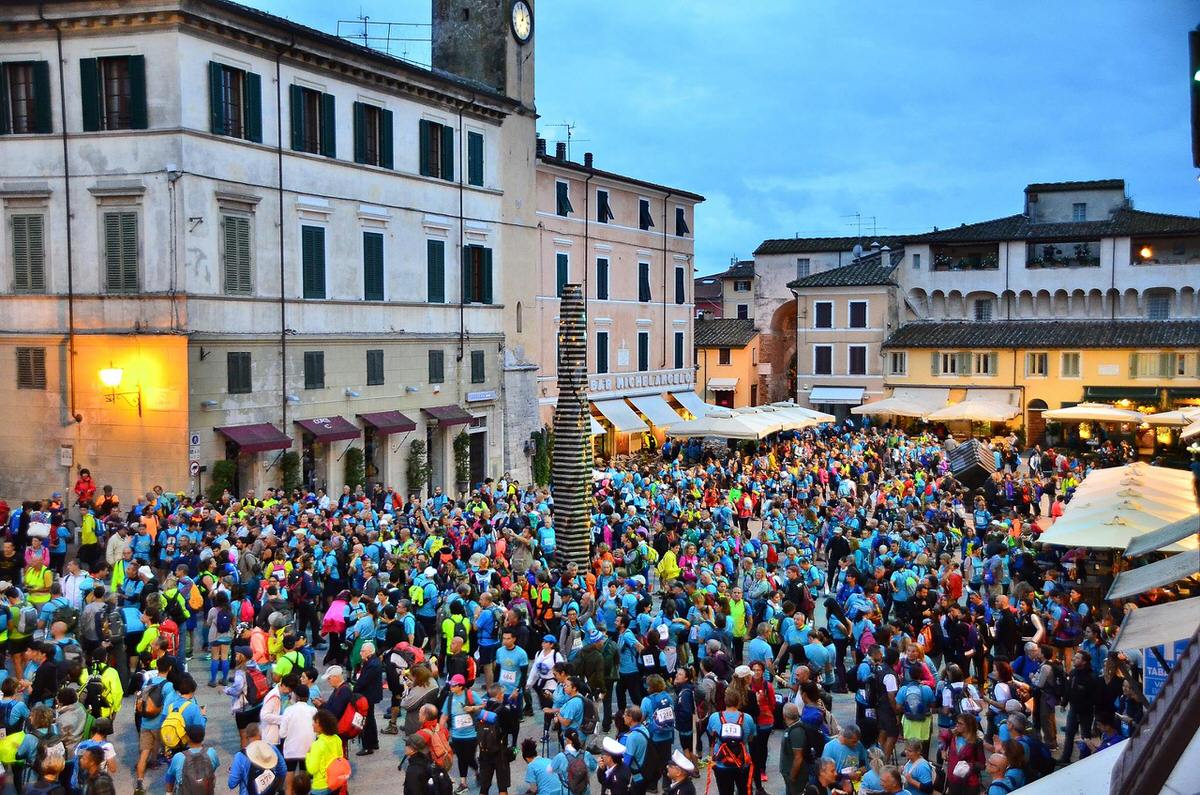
x,y
355,468
290,467
417,470
543,447
223,474
462,461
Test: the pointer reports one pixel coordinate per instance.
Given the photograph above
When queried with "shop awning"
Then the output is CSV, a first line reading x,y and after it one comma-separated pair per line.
x,y
1155,575
1184,534
693,403
623,418
330,429
841,395
1139,394
597,428
256,438
449,415
1158,625
388,422
722,384
1088,776
655,409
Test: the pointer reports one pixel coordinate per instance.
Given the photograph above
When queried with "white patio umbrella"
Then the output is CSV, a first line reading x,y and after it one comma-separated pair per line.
x,y
724,424
1097,412
1179,418
802,411
1191,431
893,405
980,410
769,421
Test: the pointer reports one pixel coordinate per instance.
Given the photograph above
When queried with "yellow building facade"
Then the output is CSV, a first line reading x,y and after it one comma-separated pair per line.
x,y
727,351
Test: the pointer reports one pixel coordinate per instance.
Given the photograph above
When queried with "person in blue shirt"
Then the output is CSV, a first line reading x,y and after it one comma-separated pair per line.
x,y
570,713
917,774
257,754
658,710
149,738
195,735
458,714
759,649
847,752
730,732
629,677
638,755
539,771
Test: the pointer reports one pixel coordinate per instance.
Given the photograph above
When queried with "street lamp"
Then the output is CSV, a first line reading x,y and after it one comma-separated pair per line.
x,y
111,377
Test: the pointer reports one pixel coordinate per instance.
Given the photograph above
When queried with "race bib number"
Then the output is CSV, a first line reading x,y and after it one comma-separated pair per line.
x,y
463,721
731,731
870,713
577,645
779,698
648,660
508,677
264,780
359,720
663,632
664,715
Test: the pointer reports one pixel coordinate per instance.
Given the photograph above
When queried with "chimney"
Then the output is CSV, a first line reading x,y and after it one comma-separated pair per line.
x,y
541,146
560,150
587,159
875,246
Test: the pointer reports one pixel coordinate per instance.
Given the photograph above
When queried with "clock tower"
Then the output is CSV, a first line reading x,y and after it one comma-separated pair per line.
x,y
489,42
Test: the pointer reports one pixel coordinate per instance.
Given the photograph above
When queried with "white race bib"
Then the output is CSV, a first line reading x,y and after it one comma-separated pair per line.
x,y
664,715
359,720
263,781
731,731
648,660
577,645
663,632
463,721
508,677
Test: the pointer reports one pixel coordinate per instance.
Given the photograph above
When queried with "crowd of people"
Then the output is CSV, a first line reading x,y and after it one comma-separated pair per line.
x,y
730,597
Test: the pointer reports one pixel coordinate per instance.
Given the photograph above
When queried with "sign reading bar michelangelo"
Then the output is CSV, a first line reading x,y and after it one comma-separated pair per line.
x,y
656,378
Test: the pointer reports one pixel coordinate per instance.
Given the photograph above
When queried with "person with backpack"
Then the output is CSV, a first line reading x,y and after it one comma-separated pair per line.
x,y
494,755
574,765
1002,782
193,771
964,757
22,623
47,782
180,713
248,772
422,776
639,755
730,732
795,763
327,756
93,777
1082,694
1049,688
916,704
458,716
296,729
540,775
456,625
219,625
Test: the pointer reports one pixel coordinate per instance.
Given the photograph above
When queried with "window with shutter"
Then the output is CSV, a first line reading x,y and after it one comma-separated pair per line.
x,y
121,251
743,311
375,367
235,254
601,351
25,97
678,350
604,212
228,100
447,153
475,158
31,368
823,314
485,276
562,192
963,364
314,369
644,282
681,227
643,351
312,256
437,373
29,253
436,149
313,122
858,314
898,363
724,356
372,266
602,278
238,367
645,220
1069,364
478,375
113,92
857,359
680,292
435,271
477,275
563,272
823,360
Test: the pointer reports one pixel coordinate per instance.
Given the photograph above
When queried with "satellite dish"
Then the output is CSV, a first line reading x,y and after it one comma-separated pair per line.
x,y
858,250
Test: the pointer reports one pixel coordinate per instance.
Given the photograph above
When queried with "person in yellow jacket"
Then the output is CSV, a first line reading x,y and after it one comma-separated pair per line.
x,y
18,642
326,748
457,625
113,692
668,568
38,578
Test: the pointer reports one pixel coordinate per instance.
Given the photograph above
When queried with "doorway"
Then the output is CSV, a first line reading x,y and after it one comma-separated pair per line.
x,y
478,457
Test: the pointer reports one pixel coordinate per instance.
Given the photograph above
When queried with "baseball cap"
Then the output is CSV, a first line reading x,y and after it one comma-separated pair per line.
x,y
549,639
333,670
458,680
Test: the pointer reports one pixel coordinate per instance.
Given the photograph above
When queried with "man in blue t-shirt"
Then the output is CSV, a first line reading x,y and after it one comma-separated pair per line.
x,y
195,735
539,774
629,677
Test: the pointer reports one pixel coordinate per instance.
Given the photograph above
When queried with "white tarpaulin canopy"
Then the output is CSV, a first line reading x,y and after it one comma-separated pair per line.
x,y
1155,575
1096,412
907,401
623,418
597,428
1178,418
769,421
844,395
693,403
1184,533
1191,430
1158,625
976,409
802,411
1088,776
655,409
724,424
722,384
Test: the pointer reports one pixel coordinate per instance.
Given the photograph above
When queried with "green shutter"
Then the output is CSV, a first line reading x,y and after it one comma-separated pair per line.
x,y
312,245
89,93
435,257
237,254
935,363
5,121
252,107
486,298
29,258
436,370
372,266
216,108
41,97
1166,362
360,133
425,128
447,153
120,252
385,138
467,272
328,126
475,158
963,365
563,273
993,363
296,99
138,119
1133,365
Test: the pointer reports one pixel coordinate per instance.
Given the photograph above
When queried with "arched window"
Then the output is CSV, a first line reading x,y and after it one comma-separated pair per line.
x,y
518,317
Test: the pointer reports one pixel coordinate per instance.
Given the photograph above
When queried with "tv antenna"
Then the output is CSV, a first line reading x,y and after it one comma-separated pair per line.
x,y
860,220
569,126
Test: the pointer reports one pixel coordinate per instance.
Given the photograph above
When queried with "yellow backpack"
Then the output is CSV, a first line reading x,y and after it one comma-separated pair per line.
x,y
174,730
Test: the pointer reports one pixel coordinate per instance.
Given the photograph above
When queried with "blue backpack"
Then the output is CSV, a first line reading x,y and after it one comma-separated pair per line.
x,y
662,716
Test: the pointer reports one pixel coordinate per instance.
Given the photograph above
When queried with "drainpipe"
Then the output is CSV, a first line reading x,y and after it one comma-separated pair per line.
x,y
587,251
665,329
62,135
283,391
462,249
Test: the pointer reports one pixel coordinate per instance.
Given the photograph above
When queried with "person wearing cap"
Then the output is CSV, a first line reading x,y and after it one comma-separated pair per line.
x,y
612,770
458,713
680,772
540,680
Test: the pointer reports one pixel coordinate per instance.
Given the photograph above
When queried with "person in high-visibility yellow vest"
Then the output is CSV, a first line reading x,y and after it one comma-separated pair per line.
x,y
457,625
38,578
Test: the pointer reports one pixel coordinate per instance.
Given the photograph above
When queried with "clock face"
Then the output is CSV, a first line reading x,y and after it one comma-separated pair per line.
x,y
522,21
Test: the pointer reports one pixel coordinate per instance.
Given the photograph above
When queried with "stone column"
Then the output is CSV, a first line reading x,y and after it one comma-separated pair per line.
x,y
571,470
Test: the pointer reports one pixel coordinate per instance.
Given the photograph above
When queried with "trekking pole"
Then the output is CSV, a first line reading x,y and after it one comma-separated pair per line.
x,y
708,778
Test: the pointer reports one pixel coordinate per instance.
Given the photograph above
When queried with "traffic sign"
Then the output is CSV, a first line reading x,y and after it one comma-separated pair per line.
x,y
194,468
1156,675
194,439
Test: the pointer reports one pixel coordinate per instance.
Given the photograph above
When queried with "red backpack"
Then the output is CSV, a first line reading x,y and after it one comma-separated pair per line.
x,y
732,751
354,718
169,631
256,686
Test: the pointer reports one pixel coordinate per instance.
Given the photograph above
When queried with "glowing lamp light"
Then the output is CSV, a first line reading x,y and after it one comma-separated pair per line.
x,y
111,377
1146,252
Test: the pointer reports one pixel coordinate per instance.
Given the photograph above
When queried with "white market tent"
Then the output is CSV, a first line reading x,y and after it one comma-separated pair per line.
x,y
1191,430
1158,574
798,410
1178,418
597,428
770,421
694,404
1097,412
1185,532
907,402
724,424
1088,776
1158,625
980,410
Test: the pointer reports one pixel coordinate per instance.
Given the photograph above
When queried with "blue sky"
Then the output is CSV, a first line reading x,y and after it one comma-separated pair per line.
x,y
790,116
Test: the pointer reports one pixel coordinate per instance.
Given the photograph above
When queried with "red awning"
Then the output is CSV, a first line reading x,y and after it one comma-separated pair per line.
x,y
449,415
386,422
256,438
330,429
